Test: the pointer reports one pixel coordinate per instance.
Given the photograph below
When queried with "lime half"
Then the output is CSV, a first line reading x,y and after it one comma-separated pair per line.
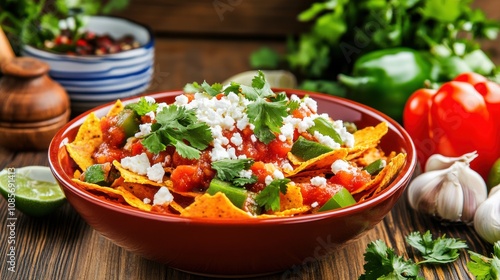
x,y
31,189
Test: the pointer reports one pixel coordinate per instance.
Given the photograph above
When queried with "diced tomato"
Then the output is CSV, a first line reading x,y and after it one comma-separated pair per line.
x,y
320,194
278,149
259,169
184,179
137,148
350,180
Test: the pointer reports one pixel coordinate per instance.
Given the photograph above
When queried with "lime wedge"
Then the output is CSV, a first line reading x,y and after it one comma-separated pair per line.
x,y
342,198
32,189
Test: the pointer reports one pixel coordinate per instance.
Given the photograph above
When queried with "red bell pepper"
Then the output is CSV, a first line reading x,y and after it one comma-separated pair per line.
x,y
462,116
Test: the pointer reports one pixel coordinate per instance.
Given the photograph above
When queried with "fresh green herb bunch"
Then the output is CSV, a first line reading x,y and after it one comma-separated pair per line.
x,y
33,22
343,30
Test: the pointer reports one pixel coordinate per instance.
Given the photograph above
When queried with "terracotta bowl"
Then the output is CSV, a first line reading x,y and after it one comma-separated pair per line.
x,y
248,247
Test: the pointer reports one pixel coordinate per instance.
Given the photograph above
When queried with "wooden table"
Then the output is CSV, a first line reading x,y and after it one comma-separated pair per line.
x,y
63,246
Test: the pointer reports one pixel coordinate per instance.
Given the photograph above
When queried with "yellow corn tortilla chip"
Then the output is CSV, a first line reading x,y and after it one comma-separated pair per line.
x,y
116,109
323,161
385,176
133,200
132,177
94,187
292,199
88,138
367,138
214,206
287,213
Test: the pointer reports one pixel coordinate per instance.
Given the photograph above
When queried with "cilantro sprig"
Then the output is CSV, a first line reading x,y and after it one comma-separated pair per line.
x,y
269,197
175,126
381,262
484,268
142,107
440,250
229,170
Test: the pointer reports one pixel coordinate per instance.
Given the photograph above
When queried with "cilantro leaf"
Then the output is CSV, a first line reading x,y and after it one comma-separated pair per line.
x,y
230,169
441,250
267,118
175,126
142,107
269,197
484,268
382,263
233,87
192,88
212,90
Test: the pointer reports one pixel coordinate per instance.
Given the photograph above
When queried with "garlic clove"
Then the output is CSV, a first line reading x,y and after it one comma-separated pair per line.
x,y
437,161
487,217
475,192
422,191
450,198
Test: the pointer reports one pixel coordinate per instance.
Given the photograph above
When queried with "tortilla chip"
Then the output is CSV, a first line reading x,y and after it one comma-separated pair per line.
x,y
214,206
133,200
292,198
116,109
385,176
94,187
323,161
88,138
132,177
367,138
287,213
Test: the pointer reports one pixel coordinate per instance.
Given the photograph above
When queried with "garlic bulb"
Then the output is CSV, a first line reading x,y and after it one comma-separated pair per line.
x,y
451,194
487,217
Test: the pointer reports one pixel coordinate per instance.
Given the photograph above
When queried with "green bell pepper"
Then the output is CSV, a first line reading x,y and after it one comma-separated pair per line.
x,y
384,79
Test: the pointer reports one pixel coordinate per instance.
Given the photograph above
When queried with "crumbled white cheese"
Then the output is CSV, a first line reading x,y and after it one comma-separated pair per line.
x,y
277,174
181,100
146,200
149,99
163,196
156,173
236,139
268,180
246,174
314,204
144,130
318,181
341,164
151,115
326,140
138,164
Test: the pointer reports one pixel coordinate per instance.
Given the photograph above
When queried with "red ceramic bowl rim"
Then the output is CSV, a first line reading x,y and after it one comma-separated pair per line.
x,y
399,182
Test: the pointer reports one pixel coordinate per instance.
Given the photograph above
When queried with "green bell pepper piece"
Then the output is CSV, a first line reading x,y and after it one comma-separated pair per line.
x,y
384,79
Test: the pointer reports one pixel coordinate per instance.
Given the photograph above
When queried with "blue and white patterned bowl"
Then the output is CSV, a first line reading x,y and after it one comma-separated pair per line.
x,y
96,79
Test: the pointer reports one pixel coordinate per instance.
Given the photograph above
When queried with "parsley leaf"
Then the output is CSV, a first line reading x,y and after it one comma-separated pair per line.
x,y
441,250
269,197
142,107
233,87
192,88
229,170
484,268
175,126
267,118
382,263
